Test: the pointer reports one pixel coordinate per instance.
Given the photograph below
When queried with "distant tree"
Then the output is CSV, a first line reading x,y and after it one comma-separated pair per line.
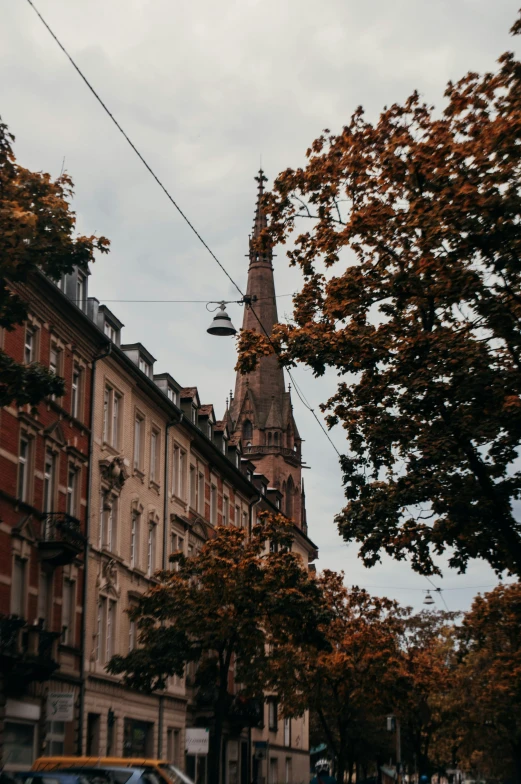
x,y
352,684
427,705
489,684
227,609
36,232
421,214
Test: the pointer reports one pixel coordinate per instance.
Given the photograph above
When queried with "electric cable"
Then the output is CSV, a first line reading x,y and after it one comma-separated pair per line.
x,y
174,203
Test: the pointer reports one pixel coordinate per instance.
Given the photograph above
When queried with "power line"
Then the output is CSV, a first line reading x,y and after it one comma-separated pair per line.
x,y
199,301
141,158
172,200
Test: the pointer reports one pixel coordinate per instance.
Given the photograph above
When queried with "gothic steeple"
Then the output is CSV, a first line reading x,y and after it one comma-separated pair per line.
x,y
260,413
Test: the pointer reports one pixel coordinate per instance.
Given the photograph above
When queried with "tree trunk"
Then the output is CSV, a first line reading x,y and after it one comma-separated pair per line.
x,y
516,754
215,751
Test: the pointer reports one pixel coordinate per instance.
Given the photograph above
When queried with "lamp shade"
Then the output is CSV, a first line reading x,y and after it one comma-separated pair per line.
x,y
222,324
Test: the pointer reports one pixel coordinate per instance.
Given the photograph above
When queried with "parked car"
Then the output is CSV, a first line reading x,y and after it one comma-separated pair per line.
x,y
144,771
73,776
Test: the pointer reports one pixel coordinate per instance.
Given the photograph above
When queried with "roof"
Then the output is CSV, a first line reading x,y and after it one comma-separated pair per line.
x,y
206,410
190,392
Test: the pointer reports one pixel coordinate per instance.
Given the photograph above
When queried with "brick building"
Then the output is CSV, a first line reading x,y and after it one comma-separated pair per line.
x,y
44,458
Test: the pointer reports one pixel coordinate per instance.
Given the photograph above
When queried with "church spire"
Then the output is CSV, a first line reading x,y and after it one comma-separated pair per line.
x,y
268,379
260,413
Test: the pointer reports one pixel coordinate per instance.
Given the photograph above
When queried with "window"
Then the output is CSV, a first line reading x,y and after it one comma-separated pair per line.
x,y
213,505
154,456
245,520
224,445
194,414
76,392
209,433
193,487
109,523
175,469
45,585
274,771
226,507
55,738
111,416
134,539
172,395
247,430
30,345
289,771
144,366
237,518
72,491
151,549
287,732
68,612
182,474
272,714
55,362
49,473
177,544
80,292
132,635
24,467
18,587
106,632
19,745
110,331
139,427
200,494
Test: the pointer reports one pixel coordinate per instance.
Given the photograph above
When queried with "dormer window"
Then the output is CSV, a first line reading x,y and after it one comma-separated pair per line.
x,y
144,366
224,445
80,291
263,490
172,395
209,430
277,503
194,414
110,331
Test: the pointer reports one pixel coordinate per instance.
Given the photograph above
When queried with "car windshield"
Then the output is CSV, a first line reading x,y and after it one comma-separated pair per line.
x,y
175,775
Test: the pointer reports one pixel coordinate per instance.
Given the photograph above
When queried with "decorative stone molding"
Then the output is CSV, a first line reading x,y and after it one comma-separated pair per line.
x,y
114,472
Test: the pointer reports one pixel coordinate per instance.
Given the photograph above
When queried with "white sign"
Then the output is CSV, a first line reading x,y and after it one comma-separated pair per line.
x,y
60,706
197,740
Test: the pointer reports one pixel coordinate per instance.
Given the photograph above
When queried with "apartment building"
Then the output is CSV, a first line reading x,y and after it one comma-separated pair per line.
x,y
97,489
44,468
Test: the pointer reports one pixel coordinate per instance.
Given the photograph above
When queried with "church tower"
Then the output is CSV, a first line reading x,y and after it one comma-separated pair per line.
x,y
261,412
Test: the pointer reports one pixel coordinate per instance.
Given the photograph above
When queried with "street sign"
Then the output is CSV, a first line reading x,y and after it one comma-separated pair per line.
x,y
60,706
197,740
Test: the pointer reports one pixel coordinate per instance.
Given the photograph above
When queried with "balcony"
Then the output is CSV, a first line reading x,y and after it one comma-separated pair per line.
x,y
62,540
27,653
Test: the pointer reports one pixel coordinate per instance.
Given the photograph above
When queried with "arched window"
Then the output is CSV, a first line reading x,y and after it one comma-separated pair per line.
x,y
247,430
276,439
269,439
289,497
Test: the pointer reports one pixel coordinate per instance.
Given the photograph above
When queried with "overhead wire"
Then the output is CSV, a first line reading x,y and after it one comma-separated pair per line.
x,y
174,203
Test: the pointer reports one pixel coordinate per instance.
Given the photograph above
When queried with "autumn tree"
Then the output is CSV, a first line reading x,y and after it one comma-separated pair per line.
x,y
427,704
408,235
489,683
37,231
351,684
226,609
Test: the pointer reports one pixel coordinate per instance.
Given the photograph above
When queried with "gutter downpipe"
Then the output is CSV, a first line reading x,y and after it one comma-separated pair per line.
x,y
161,714
81,719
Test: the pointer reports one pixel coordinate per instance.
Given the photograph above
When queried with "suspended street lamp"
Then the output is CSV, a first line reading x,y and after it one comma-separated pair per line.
x,y
221,323
428,598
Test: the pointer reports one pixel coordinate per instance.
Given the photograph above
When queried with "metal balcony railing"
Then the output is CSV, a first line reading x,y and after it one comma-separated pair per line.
x,y
62,527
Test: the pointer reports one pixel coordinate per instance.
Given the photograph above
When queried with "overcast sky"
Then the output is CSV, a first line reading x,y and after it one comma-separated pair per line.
x,y
204,89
